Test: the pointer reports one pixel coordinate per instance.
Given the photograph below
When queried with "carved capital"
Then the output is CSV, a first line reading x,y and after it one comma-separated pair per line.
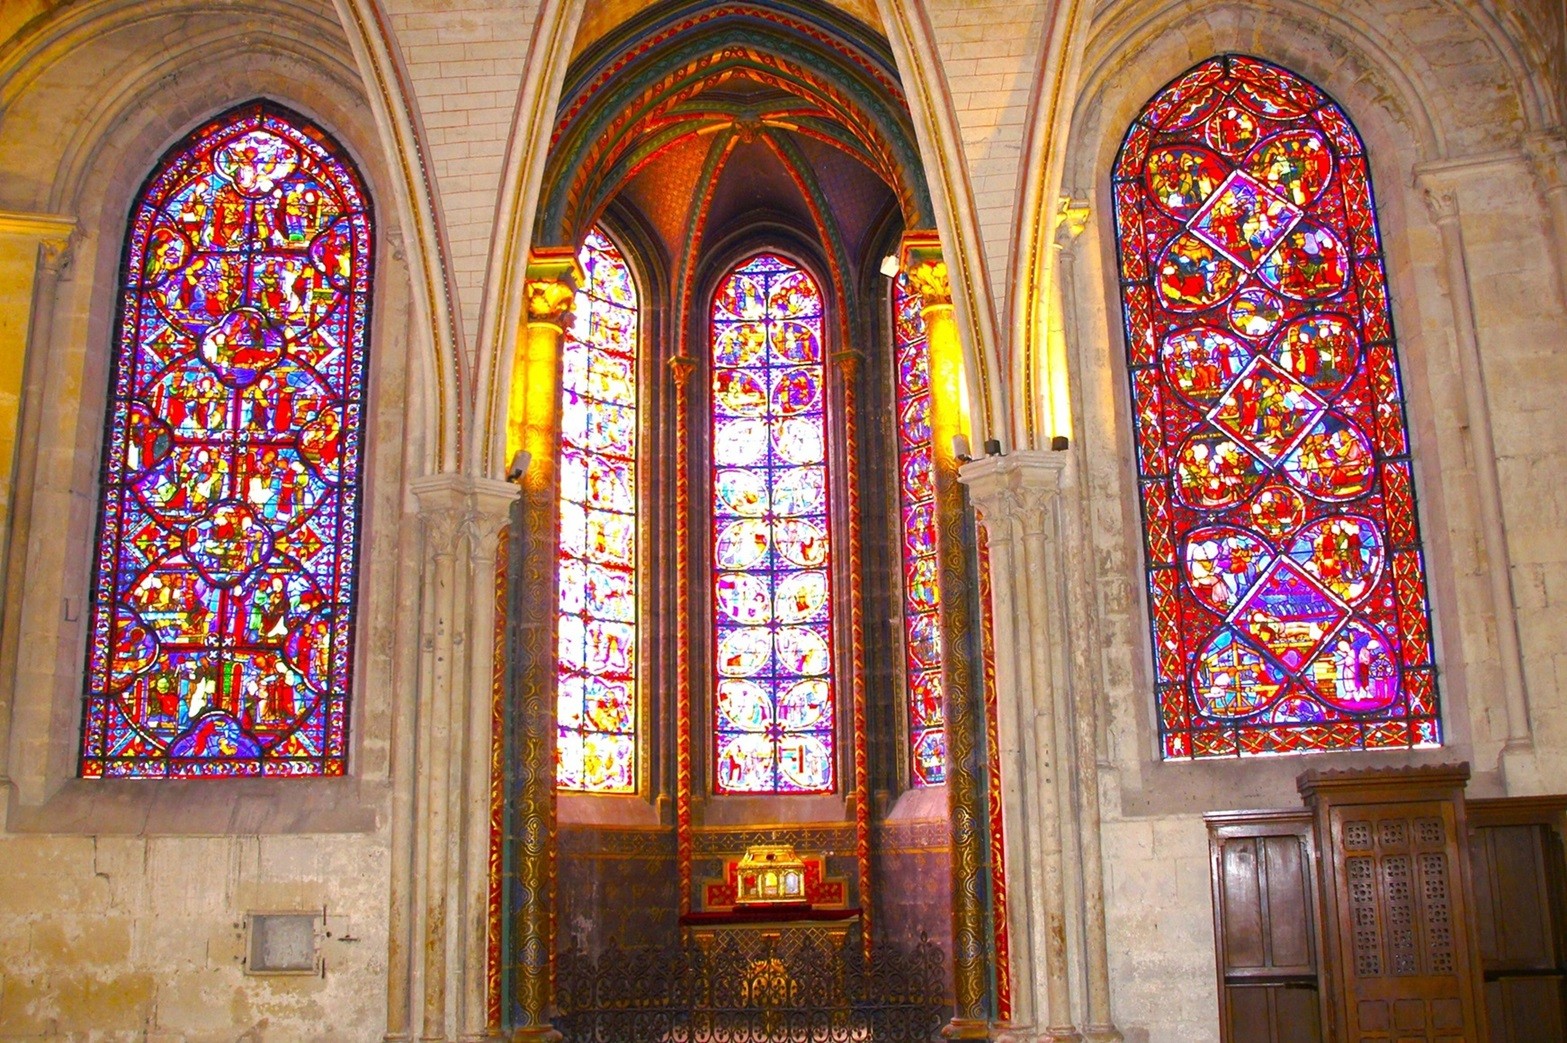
x,y
680,368
56,253
924,268
443,510
1441,200
1023,486
551,287
1071,220
489,511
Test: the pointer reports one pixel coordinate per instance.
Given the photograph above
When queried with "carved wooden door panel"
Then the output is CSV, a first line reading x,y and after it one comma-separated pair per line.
x,y
1394,883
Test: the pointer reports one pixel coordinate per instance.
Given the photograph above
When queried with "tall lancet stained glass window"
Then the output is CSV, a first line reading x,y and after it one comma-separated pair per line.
x,y
221,629
774,700
596,689
917,494
1284,565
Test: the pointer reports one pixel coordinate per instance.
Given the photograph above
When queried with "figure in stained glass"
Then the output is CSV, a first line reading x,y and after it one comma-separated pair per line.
x,y
596,686
222,616
921,601
1284,564
774,703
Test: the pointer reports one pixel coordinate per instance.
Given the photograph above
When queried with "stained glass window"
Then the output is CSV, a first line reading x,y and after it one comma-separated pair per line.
x,y
222,614
1285,580
917,491
774,702
596,689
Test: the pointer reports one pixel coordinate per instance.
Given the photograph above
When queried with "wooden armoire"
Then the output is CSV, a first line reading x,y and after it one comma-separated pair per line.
x,y
1388,908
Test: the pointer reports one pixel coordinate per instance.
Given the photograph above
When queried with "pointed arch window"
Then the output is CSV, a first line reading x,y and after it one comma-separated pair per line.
x,y
597,633
774,699
917,493
222,613
1285,579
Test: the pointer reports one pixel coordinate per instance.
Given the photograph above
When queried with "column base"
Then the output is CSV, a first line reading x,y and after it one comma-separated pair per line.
x,y
1102,1034
1067,1034
542,1034
966,1028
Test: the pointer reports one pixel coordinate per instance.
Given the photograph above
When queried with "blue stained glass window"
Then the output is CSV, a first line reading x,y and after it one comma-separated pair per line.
x,y
775,703
221,626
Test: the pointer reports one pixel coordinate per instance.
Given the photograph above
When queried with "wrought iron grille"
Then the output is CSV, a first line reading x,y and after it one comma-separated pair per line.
x,y
798,985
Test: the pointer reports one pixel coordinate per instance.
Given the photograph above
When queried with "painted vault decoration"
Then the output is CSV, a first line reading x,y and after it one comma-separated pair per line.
x,y
222,614
1284,567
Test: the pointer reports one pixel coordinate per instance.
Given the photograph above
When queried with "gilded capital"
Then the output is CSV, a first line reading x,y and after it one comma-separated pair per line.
x,y
680,368
925,269
553,277
929,280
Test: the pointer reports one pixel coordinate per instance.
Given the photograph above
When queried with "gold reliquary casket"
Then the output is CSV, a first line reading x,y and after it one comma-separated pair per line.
x,y
769,874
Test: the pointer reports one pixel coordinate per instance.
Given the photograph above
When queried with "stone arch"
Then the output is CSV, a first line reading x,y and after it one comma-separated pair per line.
x,y
853,68
110,72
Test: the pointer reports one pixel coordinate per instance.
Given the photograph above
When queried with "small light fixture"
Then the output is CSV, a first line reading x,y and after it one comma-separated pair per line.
x,y
890,266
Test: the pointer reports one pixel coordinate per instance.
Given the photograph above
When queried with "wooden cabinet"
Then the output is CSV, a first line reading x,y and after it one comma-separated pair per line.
x,y
1391,909
1394,878
1264,919
1515,855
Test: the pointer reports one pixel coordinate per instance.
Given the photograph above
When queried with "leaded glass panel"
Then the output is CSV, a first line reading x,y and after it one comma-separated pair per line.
x,y
597,639
222,617
774,698
1285,580
917,509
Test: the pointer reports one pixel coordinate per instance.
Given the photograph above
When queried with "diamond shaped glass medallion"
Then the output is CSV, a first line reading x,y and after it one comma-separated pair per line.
x,y
1245,219
1289,613
1267,409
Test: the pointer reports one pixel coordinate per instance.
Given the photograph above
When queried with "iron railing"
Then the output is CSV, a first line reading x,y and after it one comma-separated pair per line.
x,y
797,985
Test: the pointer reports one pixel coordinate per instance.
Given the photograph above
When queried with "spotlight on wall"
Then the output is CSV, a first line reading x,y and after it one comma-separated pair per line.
x,y
1059,443
960,448
890,265
992,447
519,465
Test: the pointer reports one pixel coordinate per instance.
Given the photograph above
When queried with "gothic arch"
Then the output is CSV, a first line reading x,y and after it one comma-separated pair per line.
x,y
133,96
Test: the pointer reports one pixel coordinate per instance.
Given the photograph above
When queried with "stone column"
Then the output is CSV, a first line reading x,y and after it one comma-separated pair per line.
x,y
1442,201
489,511
1548,153
1098,1024
441,508
535,427
680,368
1017,497
972,949
848,363
27,242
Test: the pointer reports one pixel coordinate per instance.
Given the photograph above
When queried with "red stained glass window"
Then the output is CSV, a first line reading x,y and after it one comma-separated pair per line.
x,y
1284,566
221,630
917,491
596,689
774,700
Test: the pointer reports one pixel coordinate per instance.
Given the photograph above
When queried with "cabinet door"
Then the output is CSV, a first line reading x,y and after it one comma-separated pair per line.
x,y
1515,858
1265,929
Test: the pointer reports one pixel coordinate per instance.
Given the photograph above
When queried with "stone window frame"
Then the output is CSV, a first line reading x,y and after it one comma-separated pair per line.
x,y
1150,785
45,615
